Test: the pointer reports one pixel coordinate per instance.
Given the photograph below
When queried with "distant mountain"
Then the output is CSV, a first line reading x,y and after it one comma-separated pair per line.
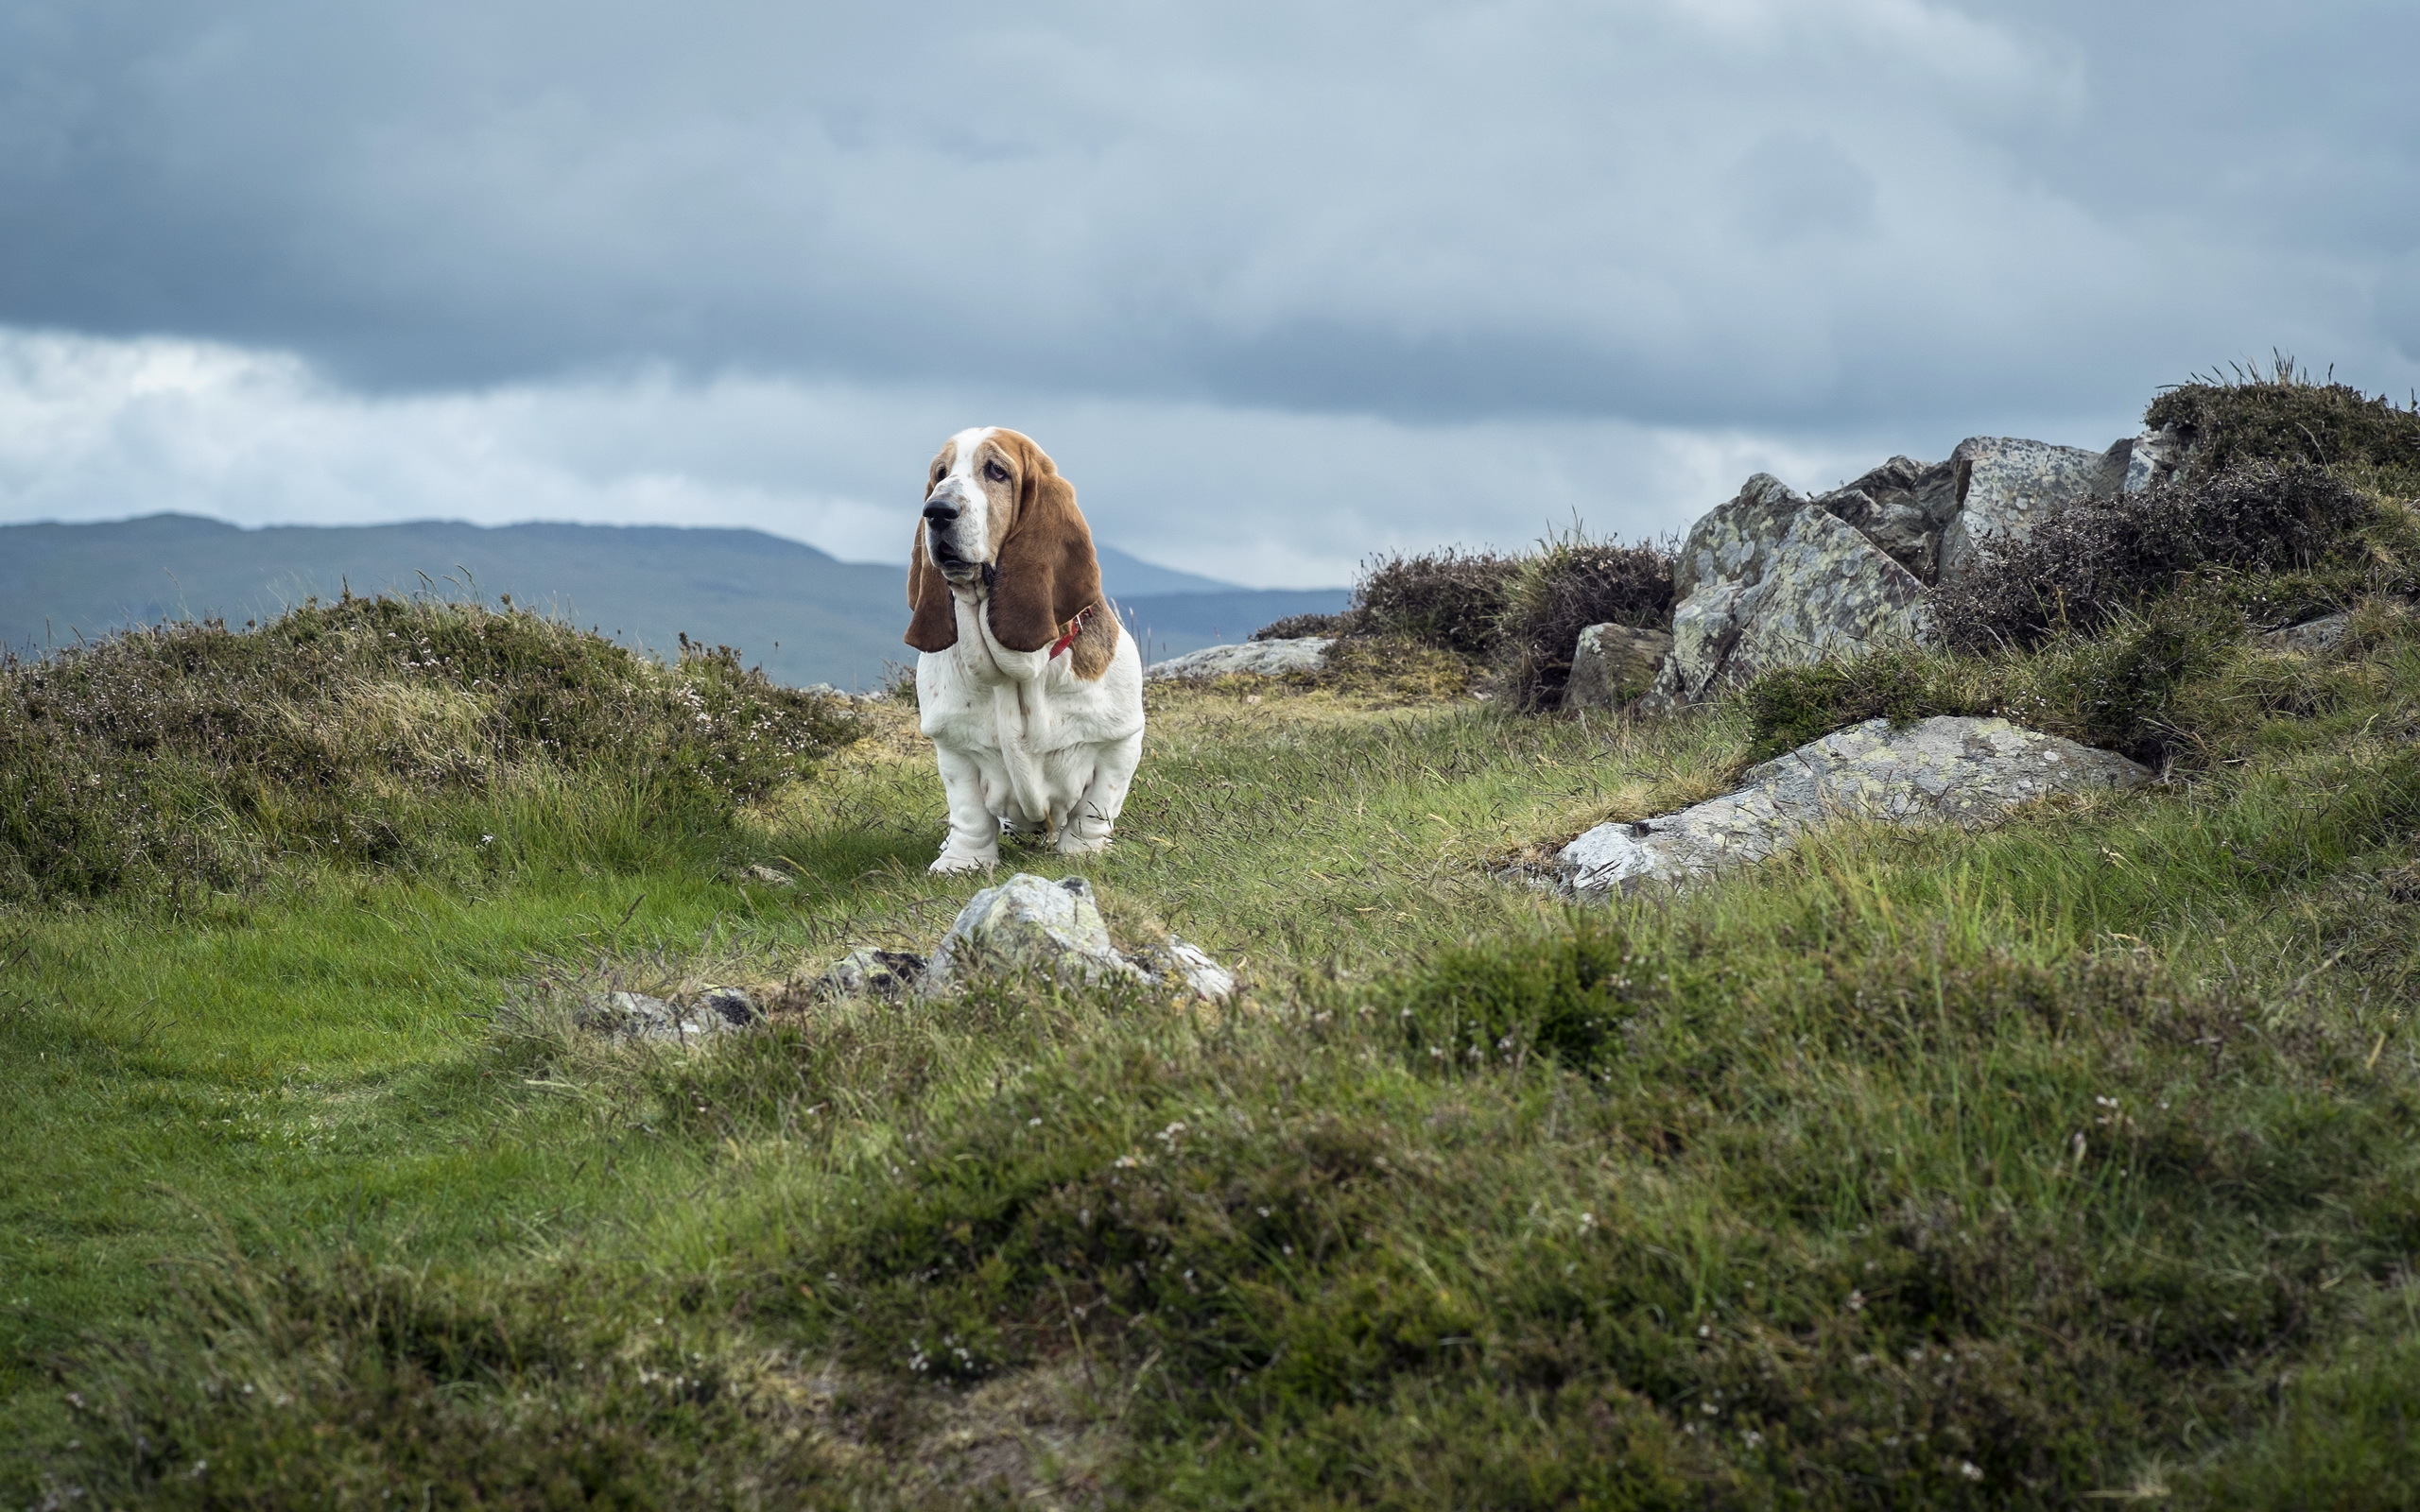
x,y
804,615
1126,576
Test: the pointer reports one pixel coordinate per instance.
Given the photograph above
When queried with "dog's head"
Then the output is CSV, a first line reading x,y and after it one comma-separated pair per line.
x,y
1000,520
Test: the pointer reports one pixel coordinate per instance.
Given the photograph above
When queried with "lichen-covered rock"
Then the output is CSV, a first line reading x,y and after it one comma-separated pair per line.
x,y
1306,653
1958,770
1029,925
2006,484
2311,636
2152,458
1901,507
1186,969
637,1015
1613,664
1813,588
868,973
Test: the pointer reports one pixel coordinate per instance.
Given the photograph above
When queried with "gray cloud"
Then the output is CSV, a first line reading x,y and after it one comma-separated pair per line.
x,y
1747,213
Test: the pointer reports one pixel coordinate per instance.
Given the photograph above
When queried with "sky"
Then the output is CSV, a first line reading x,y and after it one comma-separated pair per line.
x,y
1279,285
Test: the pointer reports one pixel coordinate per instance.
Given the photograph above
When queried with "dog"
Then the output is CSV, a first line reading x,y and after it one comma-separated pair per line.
x,y
1030,691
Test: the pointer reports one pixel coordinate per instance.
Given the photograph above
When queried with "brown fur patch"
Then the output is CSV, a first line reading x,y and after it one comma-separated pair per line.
x,y
1047,571
1095,644
933,625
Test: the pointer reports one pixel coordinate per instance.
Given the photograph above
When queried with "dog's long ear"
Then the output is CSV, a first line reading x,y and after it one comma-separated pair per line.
x,y
933,626
1047,569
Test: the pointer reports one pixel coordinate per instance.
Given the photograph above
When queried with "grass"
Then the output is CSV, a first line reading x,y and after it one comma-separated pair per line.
x,y
1438,1220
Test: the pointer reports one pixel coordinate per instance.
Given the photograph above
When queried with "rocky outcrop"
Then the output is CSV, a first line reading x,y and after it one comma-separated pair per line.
x,y
1613,664
1946,769
1306,653
870,973
2005,484
1776,579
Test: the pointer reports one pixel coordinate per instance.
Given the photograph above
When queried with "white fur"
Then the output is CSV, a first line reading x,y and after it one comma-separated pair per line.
x,y
1022,741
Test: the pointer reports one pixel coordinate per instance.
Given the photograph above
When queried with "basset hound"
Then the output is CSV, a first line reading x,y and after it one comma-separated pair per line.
x,y
1031,694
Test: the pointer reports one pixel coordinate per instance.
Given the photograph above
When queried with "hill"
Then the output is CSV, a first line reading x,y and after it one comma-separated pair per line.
x,y
805,616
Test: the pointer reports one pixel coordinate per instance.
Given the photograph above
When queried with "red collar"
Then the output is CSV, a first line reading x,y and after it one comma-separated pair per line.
x,y
1075,627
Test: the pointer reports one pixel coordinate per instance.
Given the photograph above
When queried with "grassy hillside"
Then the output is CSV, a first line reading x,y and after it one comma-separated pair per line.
x,y
802,615
2066,1160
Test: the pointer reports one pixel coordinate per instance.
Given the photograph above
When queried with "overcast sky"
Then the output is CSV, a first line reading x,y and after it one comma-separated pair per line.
x,y
1277,284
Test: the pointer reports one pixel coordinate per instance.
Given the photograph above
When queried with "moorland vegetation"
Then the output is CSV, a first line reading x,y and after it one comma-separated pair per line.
x,y
2073,1158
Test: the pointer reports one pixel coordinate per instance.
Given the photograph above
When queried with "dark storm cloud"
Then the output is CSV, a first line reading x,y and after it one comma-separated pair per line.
x,y
1720,213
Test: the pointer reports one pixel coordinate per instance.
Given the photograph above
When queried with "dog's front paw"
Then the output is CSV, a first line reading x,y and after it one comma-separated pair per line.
x,y
951,863
1073,844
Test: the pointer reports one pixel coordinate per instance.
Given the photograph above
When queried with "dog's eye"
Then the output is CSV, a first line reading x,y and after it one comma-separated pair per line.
x,y
995,472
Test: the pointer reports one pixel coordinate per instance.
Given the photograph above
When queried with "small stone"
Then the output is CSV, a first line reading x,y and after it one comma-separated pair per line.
x,y
1306,653
1030,924
637,1015
870,973
1613,664
2311,636
732,1004
770,877
1185,969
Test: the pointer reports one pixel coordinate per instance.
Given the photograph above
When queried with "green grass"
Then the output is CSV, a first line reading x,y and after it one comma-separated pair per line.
x,y
2069,1158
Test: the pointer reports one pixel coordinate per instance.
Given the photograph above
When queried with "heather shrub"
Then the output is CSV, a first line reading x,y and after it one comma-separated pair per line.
x,y
193,754
1296,626
1566,587
2285,417
2083,565
1451,599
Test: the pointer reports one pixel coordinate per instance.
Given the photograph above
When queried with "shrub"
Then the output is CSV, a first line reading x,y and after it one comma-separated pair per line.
x,y
1295,626
191,753
2083,565
1450,599
2285,417
1566,587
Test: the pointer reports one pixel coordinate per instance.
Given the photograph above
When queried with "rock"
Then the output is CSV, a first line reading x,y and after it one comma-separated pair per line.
x,y
1612,664
770,877
1306,653
1030,924
1775,580
1185,969
868,973
733,1004
1956,770
2005,484
1902,506
2152,458
2311,636
637,1015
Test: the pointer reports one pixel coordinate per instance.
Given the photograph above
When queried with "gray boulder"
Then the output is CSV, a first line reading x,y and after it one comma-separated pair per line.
x,y
1030,924
1951,769
2152,458
2005,484
1612,664
1775,580
1261,658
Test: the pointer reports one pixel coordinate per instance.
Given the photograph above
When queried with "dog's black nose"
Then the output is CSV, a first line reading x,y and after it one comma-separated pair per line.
x,y
941,512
